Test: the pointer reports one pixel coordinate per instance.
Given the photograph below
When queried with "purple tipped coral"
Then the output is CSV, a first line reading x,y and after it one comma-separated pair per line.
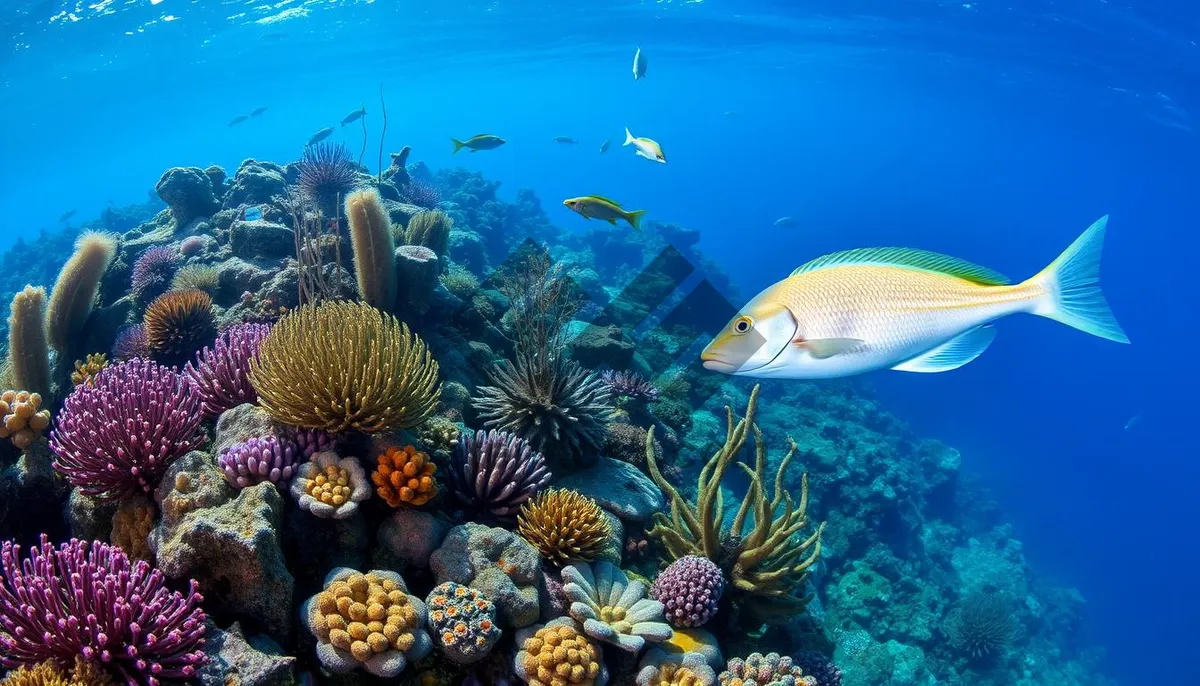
x,y
258,460
89,600
630,385
152,272
116,437
309,442
497,472
221,373
131,343
689,590
421,194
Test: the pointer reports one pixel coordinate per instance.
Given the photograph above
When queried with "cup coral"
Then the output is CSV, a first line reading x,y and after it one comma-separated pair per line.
x,y
689,588
612,608
117,437
178,323
764,670
89,600
557,654
21,418
152,272
339,366
463,622
403,477
497,472
258,460
367,620
564,525
221,374
330,487
86,370
659,668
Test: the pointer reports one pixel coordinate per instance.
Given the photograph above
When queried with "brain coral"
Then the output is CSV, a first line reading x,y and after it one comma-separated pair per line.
x,y
463,622
501,565
557,654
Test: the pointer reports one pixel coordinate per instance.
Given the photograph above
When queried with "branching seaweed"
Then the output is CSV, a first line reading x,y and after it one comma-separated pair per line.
x,y
541,301
312,233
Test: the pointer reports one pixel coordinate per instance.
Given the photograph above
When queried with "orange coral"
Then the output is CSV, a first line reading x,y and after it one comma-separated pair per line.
x,y
404,477
21,418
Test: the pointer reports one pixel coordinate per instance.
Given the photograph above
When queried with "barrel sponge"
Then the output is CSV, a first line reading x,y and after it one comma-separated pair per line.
x,y
371,238
28,356
76,287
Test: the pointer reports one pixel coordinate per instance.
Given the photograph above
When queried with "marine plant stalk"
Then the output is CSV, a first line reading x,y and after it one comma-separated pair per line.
x,y
382,134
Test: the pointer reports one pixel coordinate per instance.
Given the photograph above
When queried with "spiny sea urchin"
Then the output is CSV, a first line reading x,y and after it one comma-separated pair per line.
x,y
178,323
564,525
326,172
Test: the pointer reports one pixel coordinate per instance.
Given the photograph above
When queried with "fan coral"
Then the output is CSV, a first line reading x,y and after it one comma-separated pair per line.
x,y
630,385
330,487
367,620
659,668
421,194
564,525
689,589
221,374
257,460
118,436
131,343
550,401
21,419
152,272
557,654
86,370
197,276
178,323
430,229
404,477
983,625
89,600
312,441
612,608
497,472
819,667
325,173
342,365
764,670
131,526
463,622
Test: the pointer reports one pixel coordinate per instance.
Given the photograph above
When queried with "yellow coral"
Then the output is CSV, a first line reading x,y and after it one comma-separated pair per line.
x,y
559,655
86,370
21,420
332,486
564,525
131,526
50,674
675,675
365,615
404,476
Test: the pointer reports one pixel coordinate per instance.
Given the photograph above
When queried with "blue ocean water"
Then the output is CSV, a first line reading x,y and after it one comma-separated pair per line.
x,y
993,131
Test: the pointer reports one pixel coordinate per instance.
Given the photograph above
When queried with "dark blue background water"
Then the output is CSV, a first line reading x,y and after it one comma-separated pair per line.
x,y
995,131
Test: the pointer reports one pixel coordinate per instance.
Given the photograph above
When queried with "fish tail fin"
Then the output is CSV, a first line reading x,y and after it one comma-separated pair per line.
x,y
635,219
1071,286
458,145
628,137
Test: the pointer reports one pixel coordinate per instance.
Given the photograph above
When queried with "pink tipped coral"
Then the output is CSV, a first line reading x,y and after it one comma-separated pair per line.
x,y
689,590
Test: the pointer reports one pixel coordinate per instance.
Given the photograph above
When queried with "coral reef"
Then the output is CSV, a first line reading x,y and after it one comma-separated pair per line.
x,y
557,653
564,526
403,477
258,460
417,270
221,374
74,291
500,565
764,670
86,369
371,238
663,669
612,608
22,419
462,621
689,589
330,487
178,323
497,472
48,673
617,487
28,352
188,191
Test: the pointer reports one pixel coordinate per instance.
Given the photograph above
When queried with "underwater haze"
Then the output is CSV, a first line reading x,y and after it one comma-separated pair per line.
x,y
993,131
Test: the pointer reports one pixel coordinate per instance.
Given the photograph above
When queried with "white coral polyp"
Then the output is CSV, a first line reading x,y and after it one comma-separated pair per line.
x,y
319,465
612,608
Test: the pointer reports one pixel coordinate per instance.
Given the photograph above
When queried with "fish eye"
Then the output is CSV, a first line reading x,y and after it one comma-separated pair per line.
x,y
742,325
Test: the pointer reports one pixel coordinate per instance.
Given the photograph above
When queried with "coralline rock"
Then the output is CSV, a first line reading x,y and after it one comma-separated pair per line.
x,y
240,424
399,212
603,346
188,191
412,536
237,659
614,545
90,519
467,249
261,239
256,183
417,270
237,276
30,489
497,562
617,487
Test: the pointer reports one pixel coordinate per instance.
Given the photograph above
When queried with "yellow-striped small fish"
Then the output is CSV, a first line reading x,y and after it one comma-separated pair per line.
x,y
645,147
897,308
600,207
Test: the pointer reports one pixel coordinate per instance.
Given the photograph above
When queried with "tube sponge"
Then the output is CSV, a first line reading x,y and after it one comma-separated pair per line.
x,y
371,238
76,287
28,356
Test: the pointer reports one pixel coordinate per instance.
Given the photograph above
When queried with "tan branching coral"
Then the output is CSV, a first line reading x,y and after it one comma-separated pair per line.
x,y
564,525
403,477
342,366
766,566
86,370
50,674
21,418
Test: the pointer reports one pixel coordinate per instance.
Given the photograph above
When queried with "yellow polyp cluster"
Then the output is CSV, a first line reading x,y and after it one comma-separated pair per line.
x,y
86,370
131,526
560,655
365,615
331,486
675,675
21,420
564,525
404,477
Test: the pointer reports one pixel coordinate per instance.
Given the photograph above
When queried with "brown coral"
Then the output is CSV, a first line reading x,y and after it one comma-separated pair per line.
x,y
557,655
178,323
564,525
21,419
50,674
86,370
365,615
131,526
404,477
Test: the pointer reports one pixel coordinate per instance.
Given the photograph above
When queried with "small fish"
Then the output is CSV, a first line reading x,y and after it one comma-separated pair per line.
x,y
786,222
731,113
66,216
258,110
566,140
320,135
639,64
1133,422
599,207
355,115
897,308
604,146
484,141
645,147
238,120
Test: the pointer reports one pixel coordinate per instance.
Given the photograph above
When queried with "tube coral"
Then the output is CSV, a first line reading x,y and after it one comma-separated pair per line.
x,y
76,287
178,323
28,354
371,239
221,374
497,472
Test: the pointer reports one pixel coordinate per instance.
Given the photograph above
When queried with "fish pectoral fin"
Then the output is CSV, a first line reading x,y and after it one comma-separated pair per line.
x,y
612,220
822,348
952,354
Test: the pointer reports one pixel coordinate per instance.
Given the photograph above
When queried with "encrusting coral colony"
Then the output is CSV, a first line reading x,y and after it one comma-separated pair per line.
x,y
216,417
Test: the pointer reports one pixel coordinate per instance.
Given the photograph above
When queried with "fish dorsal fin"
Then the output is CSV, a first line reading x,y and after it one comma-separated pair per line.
x,y
952,354
907,258
607,200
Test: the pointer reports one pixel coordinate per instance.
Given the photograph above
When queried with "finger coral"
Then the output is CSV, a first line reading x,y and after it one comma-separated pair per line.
x,y
330,487
342,366
178,323
497,472
221,374
612,608
462,621
312,441
86,369
117,437
21,418
368,621
258,460
557,654
89,600
564,525
689,589
403,477
764,670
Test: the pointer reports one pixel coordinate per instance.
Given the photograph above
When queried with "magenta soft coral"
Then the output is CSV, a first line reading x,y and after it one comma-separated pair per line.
x,y
221,374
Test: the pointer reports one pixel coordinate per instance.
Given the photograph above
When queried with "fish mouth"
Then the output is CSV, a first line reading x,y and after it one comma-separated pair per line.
x,y
712,364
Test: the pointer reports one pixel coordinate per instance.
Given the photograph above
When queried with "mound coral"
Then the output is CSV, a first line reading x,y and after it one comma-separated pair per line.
x,y
557,654
430,229
75,290
666,669
21,418
367,620
462,621
221,374
983,624
28,352
564,525
258,460
330,487
403,477
339,366
86,370
152,272
630,385
497,472
439,435
325,173
117,437
766,567
764,670
131,342
178,323
689,589
89,600
612,608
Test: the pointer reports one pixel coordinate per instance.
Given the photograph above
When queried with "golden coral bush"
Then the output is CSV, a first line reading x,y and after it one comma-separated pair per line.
x,y
403,477
564,525
21,418
342,366
87,369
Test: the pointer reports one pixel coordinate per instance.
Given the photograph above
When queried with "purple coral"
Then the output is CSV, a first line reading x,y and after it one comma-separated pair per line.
x,y
309,442
257,460
152,272
497,471
689,590
192,245
221,373
131,343
631,385
421,194
116,437
819,667
89,600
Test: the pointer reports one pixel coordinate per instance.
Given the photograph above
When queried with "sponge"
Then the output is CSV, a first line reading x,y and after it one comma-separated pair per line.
x,y
76,287
28,355
371,238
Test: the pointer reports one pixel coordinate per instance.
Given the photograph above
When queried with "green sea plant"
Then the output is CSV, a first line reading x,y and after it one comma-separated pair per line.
x,y
371,239
767,565
197,276
28,353
75,289
460,281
